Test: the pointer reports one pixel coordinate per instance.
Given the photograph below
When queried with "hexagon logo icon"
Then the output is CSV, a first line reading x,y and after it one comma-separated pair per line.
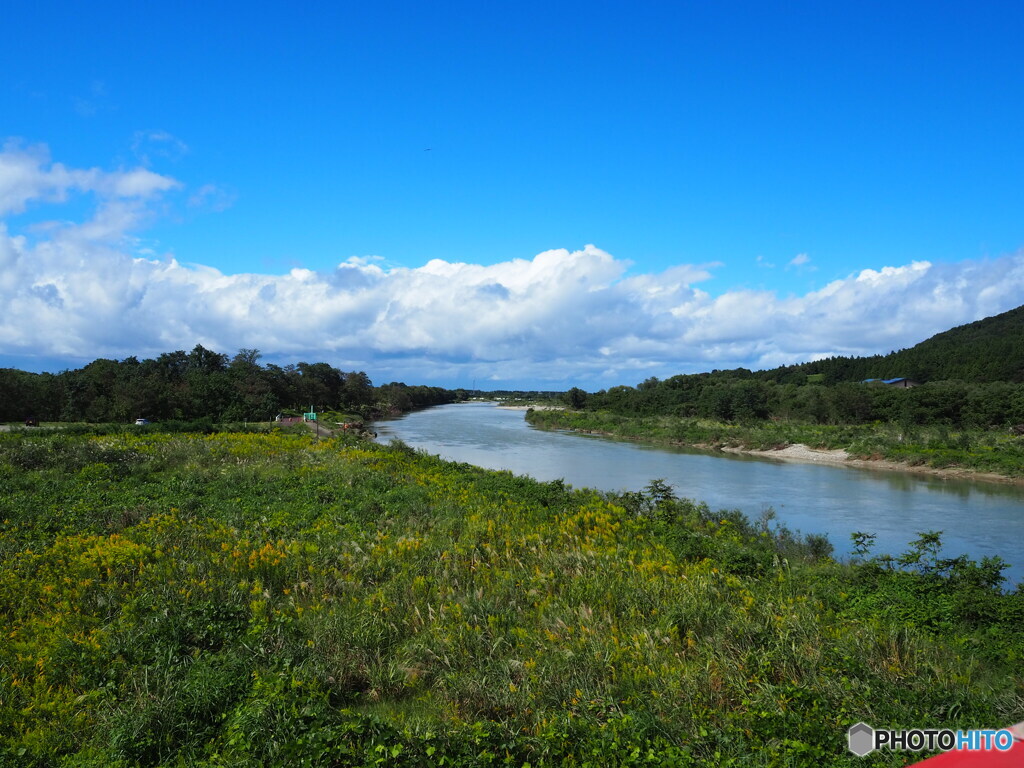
x,y
861,739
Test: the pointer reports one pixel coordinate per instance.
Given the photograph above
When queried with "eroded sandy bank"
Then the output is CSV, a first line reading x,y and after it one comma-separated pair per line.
x,y
840,458
837,457
534,407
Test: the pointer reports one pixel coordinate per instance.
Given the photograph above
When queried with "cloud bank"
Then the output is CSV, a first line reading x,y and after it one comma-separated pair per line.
x,y
80,290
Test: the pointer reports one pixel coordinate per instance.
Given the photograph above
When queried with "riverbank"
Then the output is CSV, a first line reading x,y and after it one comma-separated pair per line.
x,y
838,457
532,407
983,455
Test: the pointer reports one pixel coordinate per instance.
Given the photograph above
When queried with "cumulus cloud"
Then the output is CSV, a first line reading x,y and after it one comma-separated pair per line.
x,y
28,175
24,176
799,260
561,316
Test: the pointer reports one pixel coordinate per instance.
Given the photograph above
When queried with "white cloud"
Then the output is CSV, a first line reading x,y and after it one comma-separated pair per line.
x,y
799,260
149,144
212,197
27,175
23,177
565,317
135,183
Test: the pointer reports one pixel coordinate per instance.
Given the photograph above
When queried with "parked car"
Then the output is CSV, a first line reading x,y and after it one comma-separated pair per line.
x,y
141,422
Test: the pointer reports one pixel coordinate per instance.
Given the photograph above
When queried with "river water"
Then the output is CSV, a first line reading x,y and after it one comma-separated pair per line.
x,y
977,519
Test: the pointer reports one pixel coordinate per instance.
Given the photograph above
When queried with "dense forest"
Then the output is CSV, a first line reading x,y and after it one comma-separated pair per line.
x,y
201,384
736,396
970,377
987,351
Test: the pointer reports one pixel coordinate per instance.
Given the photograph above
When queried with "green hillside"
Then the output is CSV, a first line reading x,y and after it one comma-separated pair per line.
x,y
985,351
965,413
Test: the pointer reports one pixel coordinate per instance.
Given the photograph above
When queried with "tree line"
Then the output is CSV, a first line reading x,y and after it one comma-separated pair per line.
x,y
201,384
741,396
987,351
971,376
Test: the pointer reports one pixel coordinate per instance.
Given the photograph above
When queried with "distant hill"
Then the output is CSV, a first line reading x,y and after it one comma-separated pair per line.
x,y
984,351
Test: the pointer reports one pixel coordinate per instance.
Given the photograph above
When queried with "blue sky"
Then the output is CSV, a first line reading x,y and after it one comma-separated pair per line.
x,y
720,184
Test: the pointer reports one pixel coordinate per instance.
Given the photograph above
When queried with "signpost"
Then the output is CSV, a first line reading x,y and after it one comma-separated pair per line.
x,y
311,416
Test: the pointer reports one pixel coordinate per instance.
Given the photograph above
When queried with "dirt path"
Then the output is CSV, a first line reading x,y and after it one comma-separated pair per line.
x,y
290,421
319,429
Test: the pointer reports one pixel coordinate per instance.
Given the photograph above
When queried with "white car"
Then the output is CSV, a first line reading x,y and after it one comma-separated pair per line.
x,y
141,422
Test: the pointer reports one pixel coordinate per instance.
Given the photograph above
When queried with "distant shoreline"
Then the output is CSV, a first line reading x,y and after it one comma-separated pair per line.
x,y
798,452
528,407
839,457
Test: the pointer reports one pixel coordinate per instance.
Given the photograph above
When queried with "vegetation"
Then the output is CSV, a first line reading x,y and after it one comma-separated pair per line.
x,y
968,410
935,446
737,397
974,376
987,351
515,396
263,599
201,384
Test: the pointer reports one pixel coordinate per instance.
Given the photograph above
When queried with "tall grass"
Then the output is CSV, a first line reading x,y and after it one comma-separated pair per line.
x,y
260,600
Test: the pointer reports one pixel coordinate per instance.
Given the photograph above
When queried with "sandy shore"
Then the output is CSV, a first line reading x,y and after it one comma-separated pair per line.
x,y
528,407
840,458
837,457
799,452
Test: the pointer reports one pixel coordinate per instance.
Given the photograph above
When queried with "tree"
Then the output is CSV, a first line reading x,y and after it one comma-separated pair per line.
x,y
254,397
358,389
320,384
246,358
206,361
575,398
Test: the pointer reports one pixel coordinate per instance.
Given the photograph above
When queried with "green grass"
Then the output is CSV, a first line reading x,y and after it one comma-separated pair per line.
x,y
245,599
993,451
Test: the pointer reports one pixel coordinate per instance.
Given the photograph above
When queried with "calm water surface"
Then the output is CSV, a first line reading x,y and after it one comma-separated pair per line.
x,y
977,519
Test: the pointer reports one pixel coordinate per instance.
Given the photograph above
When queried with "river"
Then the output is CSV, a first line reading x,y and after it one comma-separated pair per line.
x,y
977,519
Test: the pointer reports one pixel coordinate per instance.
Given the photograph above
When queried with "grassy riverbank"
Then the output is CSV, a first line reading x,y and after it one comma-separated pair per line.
x,y
251,600
977,450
